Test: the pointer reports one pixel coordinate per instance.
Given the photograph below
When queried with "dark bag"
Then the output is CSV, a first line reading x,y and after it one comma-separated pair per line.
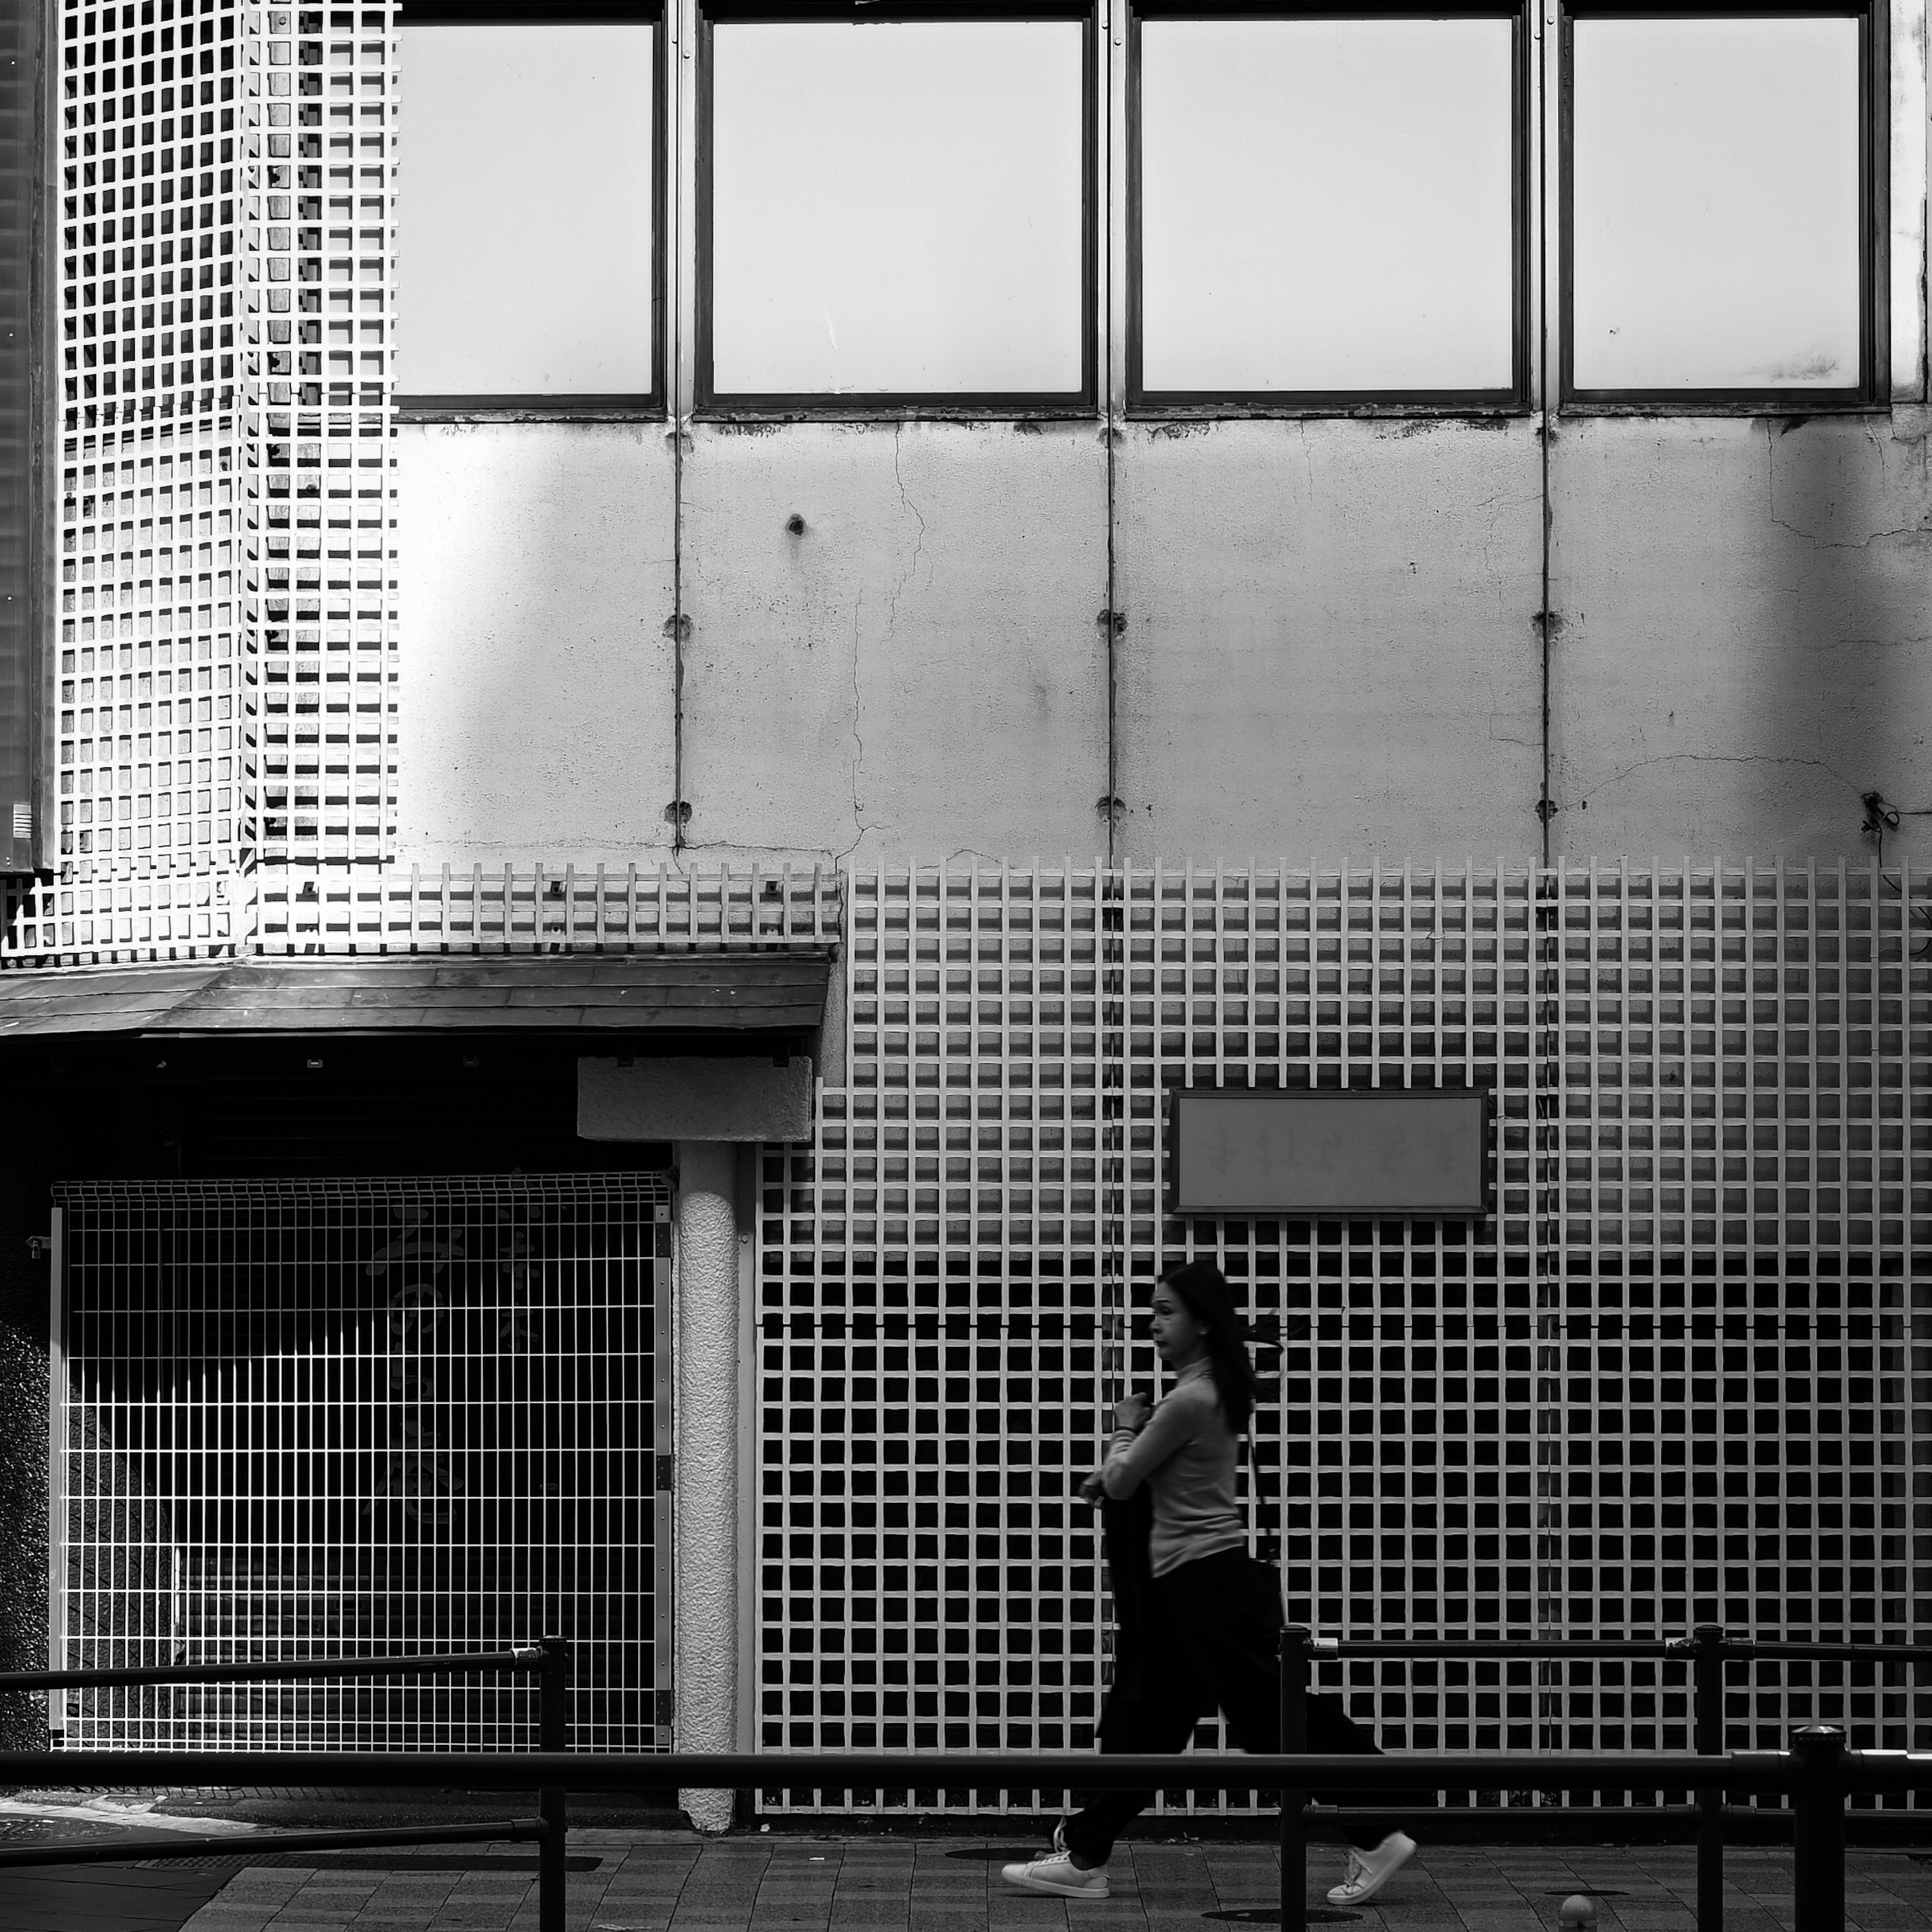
x,y
1125,1529
1262,1587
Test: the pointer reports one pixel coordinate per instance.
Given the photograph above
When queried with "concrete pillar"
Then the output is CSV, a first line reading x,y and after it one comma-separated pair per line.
x,y
705,1657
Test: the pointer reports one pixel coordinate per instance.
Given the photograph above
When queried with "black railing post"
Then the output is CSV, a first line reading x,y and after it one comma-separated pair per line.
x,y
1818,1877
1708,1740
553,1735
1294,1804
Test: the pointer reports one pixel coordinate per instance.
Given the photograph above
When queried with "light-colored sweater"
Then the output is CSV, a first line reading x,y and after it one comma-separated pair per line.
x,y
1186,1455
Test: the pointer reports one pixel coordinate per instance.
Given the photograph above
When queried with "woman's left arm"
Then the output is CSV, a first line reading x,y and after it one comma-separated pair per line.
x,y
1132,1460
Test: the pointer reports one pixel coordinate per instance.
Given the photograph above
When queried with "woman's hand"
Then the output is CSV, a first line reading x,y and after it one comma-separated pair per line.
x,y
1131,1411
1093,1488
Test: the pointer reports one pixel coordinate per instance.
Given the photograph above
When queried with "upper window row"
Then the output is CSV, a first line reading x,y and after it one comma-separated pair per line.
x,y
1324,210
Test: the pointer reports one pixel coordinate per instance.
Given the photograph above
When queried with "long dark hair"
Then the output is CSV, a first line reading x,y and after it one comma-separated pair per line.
x,y
1204,1288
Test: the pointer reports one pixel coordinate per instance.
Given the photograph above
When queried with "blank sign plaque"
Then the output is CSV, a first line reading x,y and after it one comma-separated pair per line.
x,y
1390,1150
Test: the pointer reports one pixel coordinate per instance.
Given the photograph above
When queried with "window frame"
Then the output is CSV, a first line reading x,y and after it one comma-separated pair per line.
x,y
1515,399
1872,388
586,406
1081,404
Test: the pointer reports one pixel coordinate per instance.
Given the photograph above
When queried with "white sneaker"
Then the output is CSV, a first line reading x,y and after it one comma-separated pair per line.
x,y
1369,1871
1055,1872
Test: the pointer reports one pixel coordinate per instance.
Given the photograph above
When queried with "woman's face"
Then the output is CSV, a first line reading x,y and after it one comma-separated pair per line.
x,y
1178,1339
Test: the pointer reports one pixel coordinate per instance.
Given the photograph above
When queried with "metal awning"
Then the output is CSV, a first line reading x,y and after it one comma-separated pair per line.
x,y
567,993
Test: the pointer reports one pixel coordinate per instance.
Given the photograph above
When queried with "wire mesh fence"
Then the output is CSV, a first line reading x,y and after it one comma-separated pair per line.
x,y
306,1418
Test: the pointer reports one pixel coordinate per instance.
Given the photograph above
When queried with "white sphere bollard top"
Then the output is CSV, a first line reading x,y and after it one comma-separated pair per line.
x,y
1576,1910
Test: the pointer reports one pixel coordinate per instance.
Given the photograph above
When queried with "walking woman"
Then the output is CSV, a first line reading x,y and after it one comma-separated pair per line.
x,y
1204,1616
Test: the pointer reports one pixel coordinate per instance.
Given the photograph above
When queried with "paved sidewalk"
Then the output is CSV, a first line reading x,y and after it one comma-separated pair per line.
x,y
102,1897
669,1881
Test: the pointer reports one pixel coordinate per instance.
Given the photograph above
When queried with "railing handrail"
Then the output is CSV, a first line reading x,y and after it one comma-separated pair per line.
x,y
273,1844
1823,1653
1011,1770
527,1656
1321,1649
239,1670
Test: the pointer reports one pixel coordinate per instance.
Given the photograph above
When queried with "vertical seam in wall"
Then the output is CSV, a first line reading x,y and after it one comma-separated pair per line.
x,y
1543,916
1107,890
1546,811
673,380
677,629
1113,642
1110,429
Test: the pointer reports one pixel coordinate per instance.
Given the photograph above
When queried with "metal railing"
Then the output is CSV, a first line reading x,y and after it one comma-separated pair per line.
x,y
1707,1650
1819,1773
548,1660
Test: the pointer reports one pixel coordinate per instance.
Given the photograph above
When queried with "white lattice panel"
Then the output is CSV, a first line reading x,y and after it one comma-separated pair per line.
x,y
320,239
304,1419
226,596
1662,1385
519,908
1738,1190
153,648
541,906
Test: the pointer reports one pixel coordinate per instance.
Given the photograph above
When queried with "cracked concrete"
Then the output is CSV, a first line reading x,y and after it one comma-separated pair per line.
x,y
1333,644
919,542
859,827
1615,778
1749,653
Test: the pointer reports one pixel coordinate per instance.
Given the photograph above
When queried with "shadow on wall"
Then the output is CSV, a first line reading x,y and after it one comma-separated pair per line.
x,y
1743,652
1843,616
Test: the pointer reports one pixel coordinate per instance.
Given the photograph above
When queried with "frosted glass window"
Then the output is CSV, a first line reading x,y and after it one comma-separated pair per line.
x,y
896,208
1714,204
523,210
1327,205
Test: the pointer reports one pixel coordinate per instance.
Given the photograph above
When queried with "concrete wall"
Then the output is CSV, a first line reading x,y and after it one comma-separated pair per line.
x,y
1331,641
1330,645
536,709
1328,638
921,668
1746,645
26,1166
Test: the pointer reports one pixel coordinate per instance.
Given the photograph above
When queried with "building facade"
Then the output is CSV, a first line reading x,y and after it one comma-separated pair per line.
x,y
677,665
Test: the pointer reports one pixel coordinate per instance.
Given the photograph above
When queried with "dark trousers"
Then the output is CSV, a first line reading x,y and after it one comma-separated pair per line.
x,y
1213,1642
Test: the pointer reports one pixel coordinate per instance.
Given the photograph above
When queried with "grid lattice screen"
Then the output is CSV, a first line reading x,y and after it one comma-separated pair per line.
x,y
227,634
323,316
333,1418
1664,1384
153,655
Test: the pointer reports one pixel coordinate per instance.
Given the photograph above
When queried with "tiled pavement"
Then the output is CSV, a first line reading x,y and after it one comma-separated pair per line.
x,y
667,1881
